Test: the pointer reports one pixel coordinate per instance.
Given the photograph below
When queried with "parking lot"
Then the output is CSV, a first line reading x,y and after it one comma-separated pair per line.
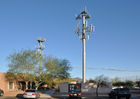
x,y
66,97
135,94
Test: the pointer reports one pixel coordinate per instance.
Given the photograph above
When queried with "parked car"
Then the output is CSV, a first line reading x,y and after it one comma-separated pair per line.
x,y
1,92
75,94
31,93
135,87
120,92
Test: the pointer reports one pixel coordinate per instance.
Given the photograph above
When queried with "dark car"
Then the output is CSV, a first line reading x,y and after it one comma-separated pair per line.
x,y
1,92
120,92
75,94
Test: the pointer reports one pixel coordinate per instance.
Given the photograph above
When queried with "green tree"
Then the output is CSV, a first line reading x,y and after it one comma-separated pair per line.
x,y
57,69
25,65
129,83
116,79
91,81
118,83
138,83
100,81
24,61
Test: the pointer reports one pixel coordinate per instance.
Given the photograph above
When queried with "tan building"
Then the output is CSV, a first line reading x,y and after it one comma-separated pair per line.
x,y
10,87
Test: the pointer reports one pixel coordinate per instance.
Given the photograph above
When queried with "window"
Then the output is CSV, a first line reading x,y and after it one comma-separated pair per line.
x,y
11,85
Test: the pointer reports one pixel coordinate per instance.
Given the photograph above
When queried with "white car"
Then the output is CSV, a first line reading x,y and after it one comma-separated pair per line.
x,y
31,93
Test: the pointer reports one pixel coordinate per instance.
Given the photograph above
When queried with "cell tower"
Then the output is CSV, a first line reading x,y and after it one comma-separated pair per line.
x,y
84,35
40,48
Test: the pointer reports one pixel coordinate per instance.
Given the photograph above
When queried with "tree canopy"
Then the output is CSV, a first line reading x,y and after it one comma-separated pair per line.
x,y
25,65
57,67
127,83
24,61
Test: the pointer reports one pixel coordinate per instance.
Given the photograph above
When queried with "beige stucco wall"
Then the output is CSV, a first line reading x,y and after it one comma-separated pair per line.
x,y
63,88
3,82
91,88
4,85
86,88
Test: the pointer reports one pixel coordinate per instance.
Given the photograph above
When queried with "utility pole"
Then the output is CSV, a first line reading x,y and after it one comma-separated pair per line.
x,y
40,48
84,35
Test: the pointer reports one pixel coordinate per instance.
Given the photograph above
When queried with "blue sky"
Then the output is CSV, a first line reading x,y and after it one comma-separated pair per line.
x,y
113,50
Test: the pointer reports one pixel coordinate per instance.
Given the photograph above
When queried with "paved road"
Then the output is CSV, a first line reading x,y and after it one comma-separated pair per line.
x,y
49,95
8,97
66,97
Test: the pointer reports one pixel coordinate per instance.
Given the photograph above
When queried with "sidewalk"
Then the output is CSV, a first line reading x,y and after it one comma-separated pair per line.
x,y
52,93
93,95
48,93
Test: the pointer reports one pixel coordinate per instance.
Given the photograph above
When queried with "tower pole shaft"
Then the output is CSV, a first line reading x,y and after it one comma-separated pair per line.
x,y
84,36
84,48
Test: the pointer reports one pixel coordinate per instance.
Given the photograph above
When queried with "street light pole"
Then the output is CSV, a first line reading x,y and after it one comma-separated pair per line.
x,y
41,47
84,36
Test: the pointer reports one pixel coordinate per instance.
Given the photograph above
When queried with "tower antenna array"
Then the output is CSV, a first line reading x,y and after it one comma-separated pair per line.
x,y
84,35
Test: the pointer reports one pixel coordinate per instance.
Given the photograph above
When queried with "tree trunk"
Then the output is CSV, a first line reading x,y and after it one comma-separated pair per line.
x,y
36,85
21,87
97,90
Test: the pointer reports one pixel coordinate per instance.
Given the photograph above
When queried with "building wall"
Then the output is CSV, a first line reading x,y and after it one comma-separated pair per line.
x,y
4,85
63,88
86,88
91,88
3,82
